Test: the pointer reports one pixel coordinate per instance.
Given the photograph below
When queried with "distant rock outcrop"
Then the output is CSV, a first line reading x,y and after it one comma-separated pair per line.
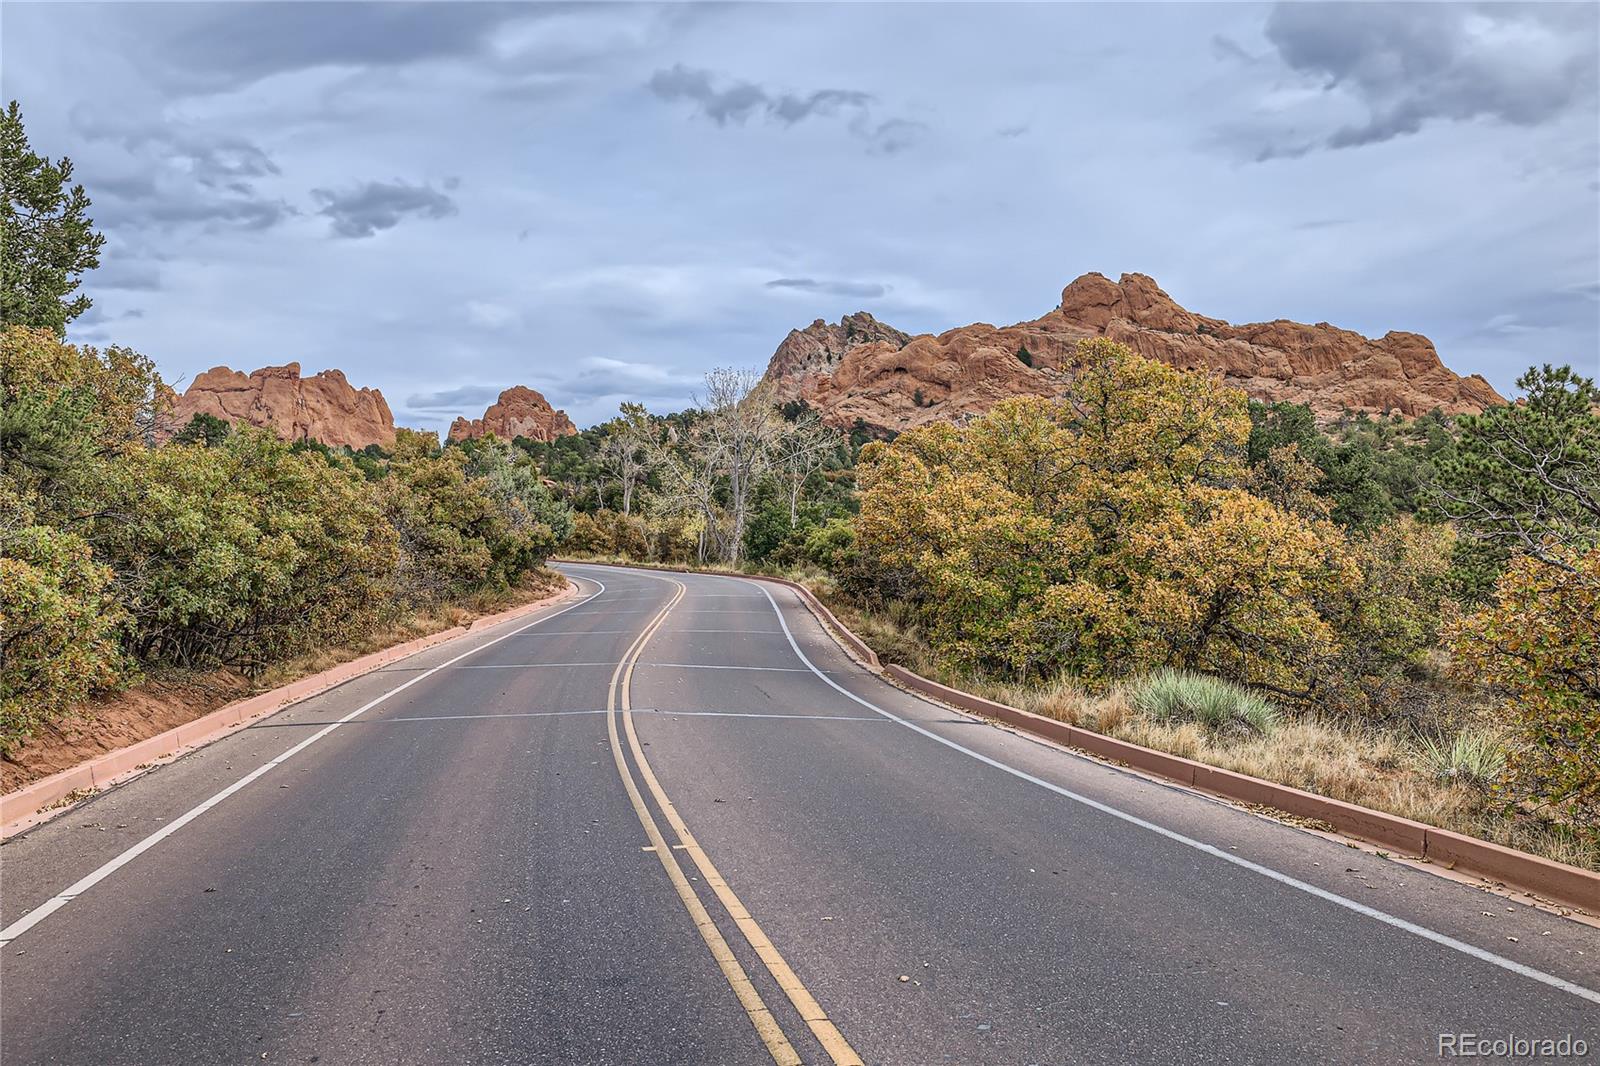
x,y
323,407
820,346
520,412
863,371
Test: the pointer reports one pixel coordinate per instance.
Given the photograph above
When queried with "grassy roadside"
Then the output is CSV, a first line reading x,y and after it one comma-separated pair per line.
x,y
169,698
1381,768
1384,768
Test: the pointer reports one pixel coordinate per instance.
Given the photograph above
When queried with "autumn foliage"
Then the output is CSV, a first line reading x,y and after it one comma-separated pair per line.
x,y
1149,524
1105,534
1538,641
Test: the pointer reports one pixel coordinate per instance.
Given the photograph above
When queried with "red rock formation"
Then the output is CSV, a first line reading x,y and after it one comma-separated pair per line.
x,y
822,345
322,407
520,412
863,370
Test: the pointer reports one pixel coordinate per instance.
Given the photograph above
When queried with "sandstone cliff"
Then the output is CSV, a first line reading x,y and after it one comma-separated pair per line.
x,y
323,407
520,412
863,370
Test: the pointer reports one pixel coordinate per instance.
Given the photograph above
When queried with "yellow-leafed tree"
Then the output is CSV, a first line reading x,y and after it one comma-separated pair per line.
x,y
1104,533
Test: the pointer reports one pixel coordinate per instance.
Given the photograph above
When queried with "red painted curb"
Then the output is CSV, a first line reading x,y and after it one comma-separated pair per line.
x,y
17,809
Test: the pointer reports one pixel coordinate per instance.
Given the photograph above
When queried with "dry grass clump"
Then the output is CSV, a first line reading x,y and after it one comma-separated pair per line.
x,y
892,633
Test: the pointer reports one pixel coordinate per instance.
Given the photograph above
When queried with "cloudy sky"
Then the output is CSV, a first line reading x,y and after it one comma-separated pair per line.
x,y
601,201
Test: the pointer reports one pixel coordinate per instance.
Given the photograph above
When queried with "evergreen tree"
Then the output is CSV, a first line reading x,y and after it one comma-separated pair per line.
x,y
48,238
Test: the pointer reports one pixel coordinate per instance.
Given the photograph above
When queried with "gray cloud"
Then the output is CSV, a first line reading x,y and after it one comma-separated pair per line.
x,y
864,290
600,378
123,272
363,210
1409,64
895,135
233,212
259,103
1225,47
454,399
216,161
742,99
182,175
219,46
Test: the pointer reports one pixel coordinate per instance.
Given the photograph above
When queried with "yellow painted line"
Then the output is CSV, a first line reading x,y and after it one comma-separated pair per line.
x,y
766,1026
827,1034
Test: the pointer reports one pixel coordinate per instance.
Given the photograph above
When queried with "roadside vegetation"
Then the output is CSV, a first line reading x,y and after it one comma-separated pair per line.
x,y
124,554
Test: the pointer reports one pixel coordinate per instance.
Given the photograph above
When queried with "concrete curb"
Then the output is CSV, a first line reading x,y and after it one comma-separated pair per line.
x,y
36,802
1544,877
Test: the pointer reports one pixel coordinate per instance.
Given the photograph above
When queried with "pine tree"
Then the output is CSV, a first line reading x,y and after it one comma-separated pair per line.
x,y
49,239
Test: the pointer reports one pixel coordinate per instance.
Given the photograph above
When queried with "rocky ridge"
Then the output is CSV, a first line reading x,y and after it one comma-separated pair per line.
x,y
323,407
860,370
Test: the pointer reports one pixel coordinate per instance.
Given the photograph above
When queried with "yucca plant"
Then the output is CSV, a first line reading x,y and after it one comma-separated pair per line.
x,y
1210,702
1471,756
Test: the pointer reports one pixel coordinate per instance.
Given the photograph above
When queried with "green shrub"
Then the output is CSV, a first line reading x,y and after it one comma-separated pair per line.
x,y
1210,702
242,553
59,621
832,545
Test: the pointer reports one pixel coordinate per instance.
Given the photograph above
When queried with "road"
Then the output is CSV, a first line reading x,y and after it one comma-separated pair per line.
x,y
672,822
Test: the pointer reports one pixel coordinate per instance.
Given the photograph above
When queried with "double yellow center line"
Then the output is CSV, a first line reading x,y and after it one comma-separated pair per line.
x,y
827,1034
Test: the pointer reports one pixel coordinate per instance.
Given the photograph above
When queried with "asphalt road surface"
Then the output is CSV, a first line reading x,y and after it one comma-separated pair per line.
x,y
673,822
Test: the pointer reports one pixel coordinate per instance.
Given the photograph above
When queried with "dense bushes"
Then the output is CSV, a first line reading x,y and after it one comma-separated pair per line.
x,y
221,547
1538,643
1103,535
241,553
1522,482
647,538
1150,532
466,519
60,625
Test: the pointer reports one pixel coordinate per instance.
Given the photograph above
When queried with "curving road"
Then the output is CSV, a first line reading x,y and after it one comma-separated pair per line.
x,y
673,823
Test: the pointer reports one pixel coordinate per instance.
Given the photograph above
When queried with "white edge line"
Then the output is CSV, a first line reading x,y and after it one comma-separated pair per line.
x,y
88,881
1321,893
